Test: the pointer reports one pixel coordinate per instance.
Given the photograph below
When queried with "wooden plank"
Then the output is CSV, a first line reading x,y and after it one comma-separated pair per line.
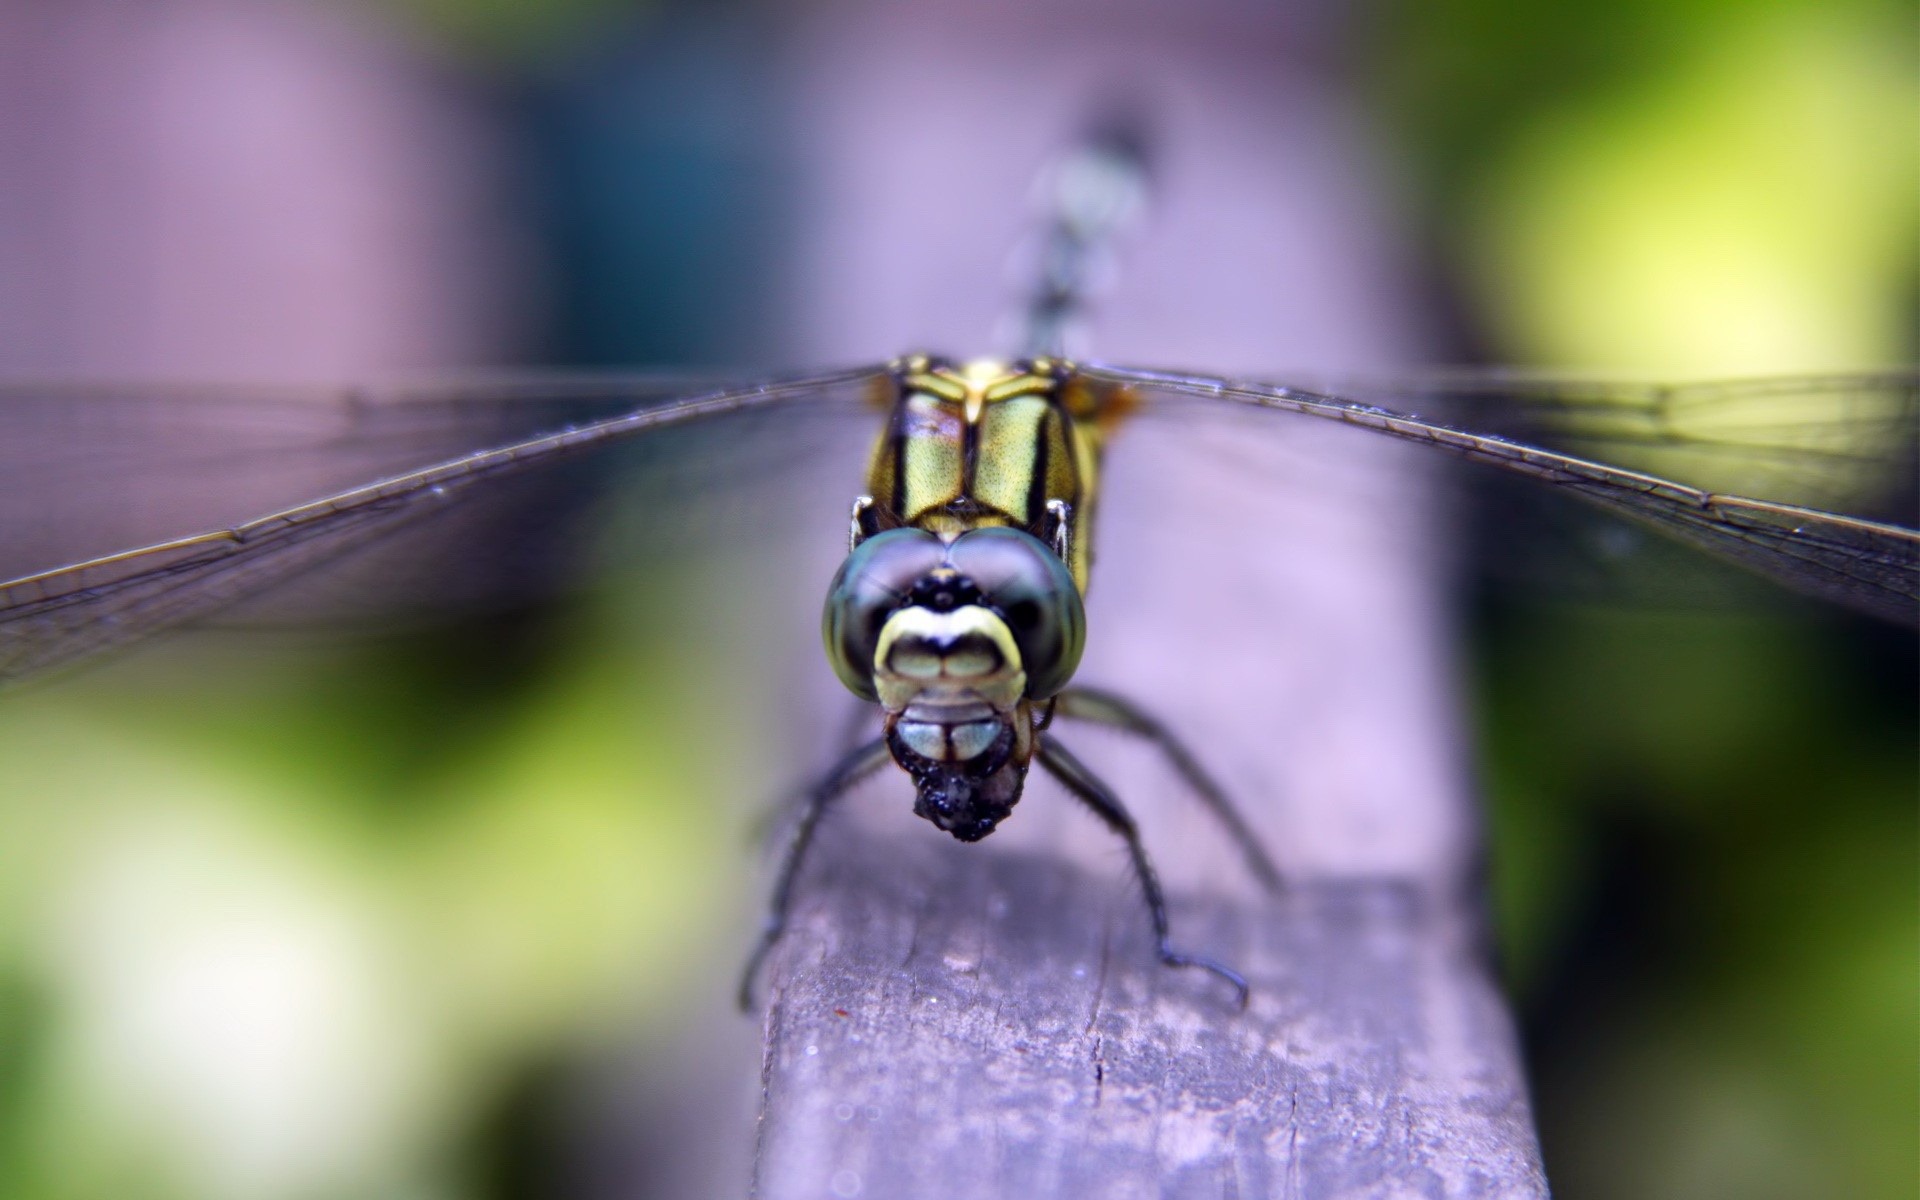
x,y
954,1024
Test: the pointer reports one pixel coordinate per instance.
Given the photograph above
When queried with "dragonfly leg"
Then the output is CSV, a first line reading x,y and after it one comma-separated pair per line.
x,y
1105,805
1117,712
851,734
854,766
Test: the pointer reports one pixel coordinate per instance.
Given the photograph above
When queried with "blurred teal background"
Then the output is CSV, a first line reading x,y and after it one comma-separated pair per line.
x,y
304,919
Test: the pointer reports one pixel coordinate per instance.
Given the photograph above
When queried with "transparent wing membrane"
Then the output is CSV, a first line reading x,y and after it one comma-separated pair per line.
x,y
1836,442
1856,430
102,468
57,616
1787,477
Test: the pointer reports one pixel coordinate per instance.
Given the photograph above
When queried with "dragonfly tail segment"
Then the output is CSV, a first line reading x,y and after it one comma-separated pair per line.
x,y
1091,194
854,766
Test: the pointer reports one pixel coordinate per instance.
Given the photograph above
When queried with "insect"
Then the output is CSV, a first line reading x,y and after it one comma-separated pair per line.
x,y
958,609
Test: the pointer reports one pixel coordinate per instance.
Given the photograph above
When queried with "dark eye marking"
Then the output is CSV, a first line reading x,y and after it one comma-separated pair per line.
x,y
1023,614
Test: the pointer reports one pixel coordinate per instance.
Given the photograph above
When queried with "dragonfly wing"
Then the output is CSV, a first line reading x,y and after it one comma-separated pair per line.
x,y
102,467
1838,442
55,617
1869,565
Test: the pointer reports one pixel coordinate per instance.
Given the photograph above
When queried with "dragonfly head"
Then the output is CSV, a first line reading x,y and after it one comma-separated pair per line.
x,y
955,638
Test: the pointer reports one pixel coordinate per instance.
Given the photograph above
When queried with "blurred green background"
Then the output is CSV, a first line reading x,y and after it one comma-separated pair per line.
x,y
354,925
1704,870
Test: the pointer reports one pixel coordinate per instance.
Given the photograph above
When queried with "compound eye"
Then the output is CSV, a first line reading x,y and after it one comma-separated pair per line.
x,y
872,583
1032,590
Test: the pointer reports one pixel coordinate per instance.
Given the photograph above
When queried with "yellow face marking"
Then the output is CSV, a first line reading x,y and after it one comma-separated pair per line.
x,y
982,659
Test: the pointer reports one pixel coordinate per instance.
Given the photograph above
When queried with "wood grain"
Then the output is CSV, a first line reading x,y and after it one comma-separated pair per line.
x,y
957,1024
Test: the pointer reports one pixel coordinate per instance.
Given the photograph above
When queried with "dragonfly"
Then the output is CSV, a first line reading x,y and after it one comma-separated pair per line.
x,y
957,612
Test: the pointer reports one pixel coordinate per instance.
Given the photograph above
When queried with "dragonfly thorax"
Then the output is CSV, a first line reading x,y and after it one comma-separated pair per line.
x,y
934,658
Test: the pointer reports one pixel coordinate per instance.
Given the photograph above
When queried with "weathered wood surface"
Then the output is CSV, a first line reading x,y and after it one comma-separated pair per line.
x,y
957,1025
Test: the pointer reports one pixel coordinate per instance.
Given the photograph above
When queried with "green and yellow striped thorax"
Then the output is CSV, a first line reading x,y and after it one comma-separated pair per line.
x,y
990,443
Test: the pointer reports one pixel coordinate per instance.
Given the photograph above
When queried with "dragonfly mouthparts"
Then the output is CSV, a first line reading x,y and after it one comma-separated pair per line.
x,y
967,797
963,806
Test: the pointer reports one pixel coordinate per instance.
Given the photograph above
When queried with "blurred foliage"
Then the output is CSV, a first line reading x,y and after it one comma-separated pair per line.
x,y
1755,212
1703,843
1714,186
1703,825
521,33
310,914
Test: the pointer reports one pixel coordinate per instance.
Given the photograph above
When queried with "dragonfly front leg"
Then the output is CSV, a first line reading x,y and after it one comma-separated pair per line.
x,y
854,766
852,733
1117,712
1071,772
